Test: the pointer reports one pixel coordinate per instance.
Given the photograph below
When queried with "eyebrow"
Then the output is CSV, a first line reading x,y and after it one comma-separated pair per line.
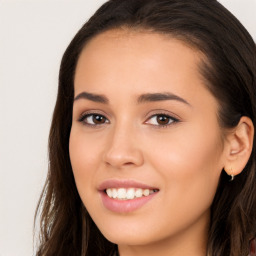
x,y
152,97
93,97
147,97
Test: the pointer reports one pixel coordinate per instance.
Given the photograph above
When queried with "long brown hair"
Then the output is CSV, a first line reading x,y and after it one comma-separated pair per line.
x,y
230,74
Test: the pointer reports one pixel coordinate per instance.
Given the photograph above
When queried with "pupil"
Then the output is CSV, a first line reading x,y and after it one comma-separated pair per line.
x,y
162,119
98,119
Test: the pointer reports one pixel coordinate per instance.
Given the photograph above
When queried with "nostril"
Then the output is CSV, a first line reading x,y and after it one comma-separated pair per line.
x,y
129,163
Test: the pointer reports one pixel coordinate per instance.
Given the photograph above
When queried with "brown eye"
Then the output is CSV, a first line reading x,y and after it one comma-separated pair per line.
x,y
93,119
161,120
98,119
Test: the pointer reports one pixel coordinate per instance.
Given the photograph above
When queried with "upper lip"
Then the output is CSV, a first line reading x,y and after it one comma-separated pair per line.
x,y
114,183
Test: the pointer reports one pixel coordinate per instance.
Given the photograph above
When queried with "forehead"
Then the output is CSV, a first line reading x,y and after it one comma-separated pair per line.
x,y
136,58
147,41
147,51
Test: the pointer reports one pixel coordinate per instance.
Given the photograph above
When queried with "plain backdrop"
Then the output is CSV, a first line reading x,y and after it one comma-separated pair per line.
x,y
33,37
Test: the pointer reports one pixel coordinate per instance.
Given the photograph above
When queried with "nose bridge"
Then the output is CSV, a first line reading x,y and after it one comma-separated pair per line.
x,y
123,147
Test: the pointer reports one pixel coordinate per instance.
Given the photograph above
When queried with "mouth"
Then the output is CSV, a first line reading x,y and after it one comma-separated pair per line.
x,y
124,196
128,193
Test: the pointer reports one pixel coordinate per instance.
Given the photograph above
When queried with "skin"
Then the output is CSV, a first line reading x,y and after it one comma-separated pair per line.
x,y
183,159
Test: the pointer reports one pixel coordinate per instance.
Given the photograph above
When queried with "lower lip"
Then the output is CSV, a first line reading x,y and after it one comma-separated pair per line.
x,y
124,206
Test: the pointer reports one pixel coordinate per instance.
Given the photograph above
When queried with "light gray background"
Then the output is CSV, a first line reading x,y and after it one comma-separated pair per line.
x,y
33,37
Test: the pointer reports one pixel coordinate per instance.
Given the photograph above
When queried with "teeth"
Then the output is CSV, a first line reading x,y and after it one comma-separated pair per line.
x,y
130,193
109,192
146,192
114,193
121,193
139,192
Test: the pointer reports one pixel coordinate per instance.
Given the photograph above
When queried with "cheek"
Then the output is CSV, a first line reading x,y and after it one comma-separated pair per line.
x,y
190,164
84,149
84,160
190,161
190,148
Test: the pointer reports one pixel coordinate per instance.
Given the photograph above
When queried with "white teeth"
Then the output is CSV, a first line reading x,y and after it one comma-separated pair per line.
x,y
139,192
130,193
109,192
146,192
114,193
121,193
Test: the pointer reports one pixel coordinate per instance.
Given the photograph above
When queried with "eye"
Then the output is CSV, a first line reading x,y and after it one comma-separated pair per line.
x,y
93,119
161,120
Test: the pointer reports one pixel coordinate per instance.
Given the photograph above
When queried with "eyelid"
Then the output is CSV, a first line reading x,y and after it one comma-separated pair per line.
x,y
163,112
93,111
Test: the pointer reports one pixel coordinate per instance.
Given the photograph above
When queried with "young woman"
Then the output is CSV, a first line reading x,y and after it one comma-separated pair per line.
x,y
152,140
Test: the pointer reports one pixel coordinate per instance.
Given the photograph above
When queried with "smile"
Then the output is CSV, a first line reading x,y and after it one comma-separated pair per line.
x,y
124,196
128,194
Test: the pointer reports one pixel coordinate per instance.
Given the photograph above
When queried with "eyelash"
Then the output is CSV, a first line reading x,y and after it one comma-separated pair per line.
x,y
171,120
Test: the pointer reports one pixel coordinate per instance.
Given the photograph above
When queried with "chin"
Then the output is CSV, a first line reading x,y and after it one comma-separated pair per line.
x,y
128,235
127,239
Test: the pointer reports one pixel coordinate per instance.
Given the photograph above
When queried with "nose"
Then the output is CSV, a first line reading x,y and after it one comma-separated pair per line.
x,y
123,149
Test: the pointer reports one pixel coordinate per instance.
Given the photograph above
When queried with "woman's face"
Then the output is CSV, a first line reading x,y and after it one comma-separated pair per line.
x,y
145,131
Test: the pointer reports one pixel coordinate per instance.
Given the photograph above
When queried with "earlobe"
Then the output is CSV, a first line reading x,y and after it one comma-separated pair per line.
x,y
239,146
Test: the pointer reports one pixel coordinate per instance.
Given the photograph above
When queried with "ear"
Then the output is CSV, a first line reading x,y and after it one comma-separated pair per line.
x,y
238,146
